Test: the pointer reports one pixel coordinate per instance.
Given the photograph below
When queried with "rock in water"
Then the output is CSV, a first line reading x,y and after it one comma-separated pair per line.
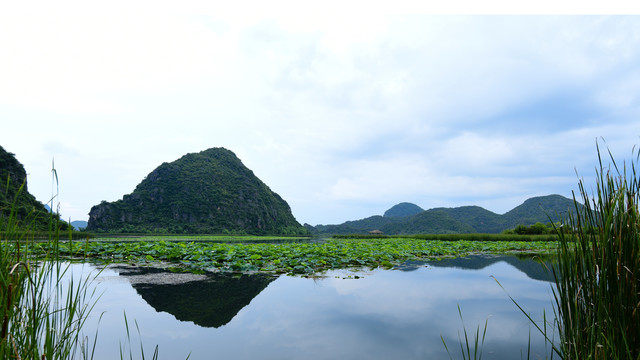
x,y
210,192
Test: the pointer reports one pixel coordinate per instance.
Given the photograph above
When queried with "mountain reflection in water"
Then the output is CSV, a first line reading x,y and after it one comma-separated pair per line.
x,y
345,314
536,267
210,300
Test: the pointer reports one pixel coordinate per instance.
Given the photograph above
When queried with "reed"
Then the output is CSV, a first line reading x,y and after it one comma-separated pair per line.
x,y
597,294
469,349
42,314
597,273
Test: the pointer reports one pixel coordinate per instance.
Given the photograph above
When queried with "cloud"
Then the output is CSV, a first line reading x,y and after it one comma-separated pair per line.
x,y
342,116
86,64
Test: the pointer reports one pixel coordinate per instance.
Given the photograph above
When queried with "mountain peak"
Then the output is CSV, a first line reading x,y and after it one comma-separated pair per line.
x,y
206,192
403,209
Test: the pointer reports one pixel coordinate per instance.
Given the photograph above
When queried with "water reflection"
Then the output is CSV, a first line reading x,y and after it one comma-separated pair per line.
x,y
210,300
383,314
529,264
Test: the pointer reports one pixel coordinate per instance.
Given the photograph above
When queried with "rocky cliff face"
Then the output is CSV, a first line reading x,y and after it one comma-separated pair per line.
x,y
206,192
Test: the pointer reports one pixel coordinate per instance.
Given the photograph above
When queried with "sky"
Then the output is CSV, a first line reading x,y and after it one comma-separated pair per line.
x,y
343,115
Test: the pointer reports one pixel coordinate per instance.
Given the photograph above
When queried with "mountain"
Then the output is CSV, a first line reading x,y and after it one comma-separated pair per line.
x,y
464,219
433,221
27,210
207,192
403,209
354,227
538,209
479,219
79,224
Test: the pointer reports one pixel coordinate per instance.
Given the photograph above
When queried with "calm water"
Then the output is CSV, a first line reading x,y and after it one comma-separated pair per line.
x,y
379,314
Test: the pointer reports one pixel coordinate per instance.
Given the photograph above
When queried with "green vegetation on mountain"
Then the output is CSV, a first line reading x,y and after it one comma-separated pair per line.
x,y
461,220
210,192
437,221
403,209
538,209
354,227
29,212
535,229
480,220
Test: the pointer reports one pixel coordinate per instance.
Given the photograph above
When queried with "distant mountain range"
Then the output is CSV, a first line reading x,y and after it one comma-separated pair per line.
x,y
408,218
79,224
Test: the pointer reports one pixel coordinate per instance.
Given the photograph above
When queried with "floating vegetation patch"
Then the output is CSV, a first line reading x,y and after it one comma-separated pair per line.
x,y
289,258
198,238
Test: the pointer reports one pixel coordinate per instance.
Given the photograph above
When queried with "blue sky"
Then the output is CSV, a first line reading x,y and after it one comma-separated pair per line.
x,y
344,116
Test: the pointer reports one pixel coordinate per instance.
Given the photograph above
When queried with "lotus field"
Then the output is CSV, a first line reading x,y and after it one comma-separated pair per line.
x,y
302,257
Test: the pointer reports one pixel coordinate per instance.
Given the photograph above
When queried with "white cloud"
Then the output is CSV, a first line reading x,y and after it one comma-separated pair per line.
x,y
88,64
343,116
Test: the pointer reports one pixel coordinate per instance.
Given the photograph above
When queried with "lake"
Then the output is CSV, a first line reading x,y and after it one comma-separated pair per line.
x,y
346,314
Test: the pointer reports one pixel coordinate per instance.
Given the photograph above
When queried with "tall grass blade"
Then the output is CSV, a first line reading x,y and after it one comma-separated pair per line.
x,y
42,314
468,350
597,293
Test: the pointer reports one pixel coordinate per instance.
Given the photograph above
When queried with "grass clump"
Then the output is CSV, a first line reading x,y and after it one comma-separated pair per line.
x,y
469,349
597,273
41,314
597,293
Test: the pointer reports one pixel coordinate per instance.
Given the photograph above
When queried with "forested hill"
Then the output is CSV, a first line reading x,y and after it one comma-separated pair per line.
x,y
403,209
465,219
208,192
27,209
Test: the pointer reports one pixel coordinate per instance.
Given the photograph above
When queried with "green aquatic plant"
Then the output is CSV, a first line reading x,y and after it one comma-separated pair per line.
x,y
469,349
303,257
291,257
455,237
597,273
198,238
42,316
596,288
597,279
127,347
